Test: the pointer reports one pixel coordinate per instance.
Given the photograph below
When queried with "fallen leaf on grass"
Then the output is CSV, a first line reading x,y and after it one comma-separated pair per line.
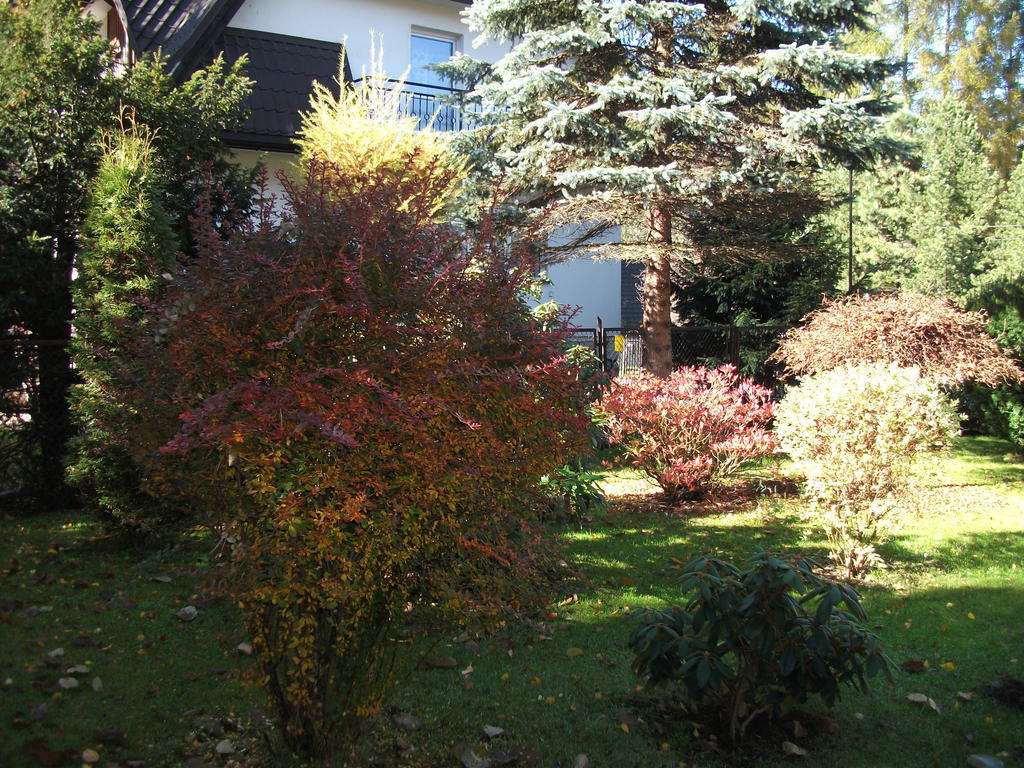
x,y
470,759
920,698
913,666
789,748
493,731
40,751
574,652
406,722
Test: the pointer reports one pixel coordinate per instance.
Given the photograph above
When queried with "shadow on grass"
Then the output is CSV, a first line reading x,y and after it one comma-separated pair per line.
x,y
651,554
1003,550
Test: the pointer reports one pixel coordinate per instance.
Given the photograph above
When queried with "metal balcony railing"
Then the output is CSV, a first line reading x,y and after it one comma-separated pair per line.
x,y
434,106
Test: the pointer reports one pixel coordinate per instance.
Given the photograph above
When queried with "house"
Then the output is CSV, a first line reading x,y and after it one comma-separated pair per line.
x,y
292,45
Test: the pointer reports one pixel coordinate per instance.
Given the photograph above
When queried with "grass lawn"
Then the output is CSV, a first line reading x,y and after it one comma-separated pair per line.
x,y
558,686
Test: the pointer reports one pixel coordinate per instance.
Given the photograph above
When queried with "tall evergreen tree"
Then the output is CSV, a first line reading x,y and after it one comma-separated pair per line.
x,y
951,208
970,49
128,245
882,251
55,95
1000,289
979,62
685,123
58,93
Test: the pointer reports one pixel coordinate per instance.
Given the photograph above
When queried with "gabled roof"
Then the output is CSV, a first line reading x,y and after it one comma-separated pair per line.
x,y
180,28
284,69
192,32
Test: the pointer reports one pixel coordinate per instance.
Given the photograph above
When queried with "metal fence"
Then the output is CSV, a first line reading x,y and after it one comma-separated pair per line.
x,y
437,107
622,352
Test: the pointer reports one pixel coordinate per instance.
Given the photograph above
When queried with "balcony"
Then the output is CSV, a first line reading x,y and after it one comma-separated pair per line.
x,y
434,106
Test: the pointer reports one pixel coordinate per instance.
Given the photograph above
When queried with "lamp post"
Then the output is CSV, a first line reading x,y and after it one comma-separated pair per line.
x,y
849,234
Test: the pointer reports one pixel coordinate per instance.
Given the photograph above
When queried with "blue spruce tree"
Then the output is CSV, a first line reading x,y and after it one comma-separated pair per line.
x,y
686,124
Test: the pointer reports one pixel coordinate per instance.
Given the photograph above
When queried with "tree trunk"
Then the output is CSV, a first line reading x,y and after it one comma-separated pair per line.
x,y
657,294
51,416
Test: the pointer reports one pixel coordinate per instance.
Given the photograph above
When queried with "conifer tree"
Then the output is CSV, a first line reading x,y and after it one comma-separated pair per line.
x,y
684,123
952,206
971,49
128,245
1000,291
59,93
55,96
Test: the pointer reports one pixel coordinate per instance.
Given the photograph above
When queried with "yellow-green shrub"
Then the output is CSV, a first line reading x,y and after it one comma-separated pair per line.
x,y
365,130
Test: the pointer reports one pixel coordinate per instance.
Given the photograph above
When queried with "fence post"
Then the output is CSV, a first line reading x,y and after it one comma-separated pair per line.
x,y
600,346
734,346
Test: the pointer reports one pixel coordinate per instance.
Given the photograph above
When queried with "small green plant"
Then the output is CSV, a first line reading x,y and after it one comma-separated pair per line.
x,y
856,432
575,489
751,643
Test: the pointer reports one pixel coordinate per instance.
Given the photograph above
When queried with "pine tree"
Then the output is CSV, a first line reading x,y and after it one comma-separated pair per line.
x,y
1000,291
59,93
55,96
952,207
979,61
687,124
883,253
1006,240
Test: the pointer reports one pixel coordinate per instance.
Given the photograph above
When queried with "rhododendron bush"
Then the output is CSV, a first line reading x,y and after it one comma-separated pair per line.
x,y
692,429
376,405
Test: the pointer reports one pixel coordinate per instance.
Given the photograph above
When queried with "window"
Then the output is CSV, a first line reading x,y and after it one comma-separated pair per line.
x,y
427,48
428,91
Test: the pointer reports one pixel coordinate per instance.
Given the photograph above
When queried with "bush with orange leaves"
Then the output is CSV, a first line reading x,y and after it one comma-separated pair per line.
x,y
376,405
947,344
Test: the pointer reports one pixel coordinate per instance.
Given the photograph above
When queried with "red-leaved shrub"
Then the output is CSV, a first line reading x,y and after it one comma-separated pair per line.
x,y
692,429
376,405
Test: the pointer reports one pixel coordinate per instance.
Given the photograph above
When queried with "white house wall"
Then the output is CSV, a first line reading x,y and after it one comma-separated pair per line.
x,y
275,163
591,287
352,21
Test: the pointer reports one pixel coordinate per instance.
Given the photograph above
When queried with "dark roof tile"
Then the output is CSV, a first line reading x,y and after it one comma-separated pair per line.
x,y
284,69
177,27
